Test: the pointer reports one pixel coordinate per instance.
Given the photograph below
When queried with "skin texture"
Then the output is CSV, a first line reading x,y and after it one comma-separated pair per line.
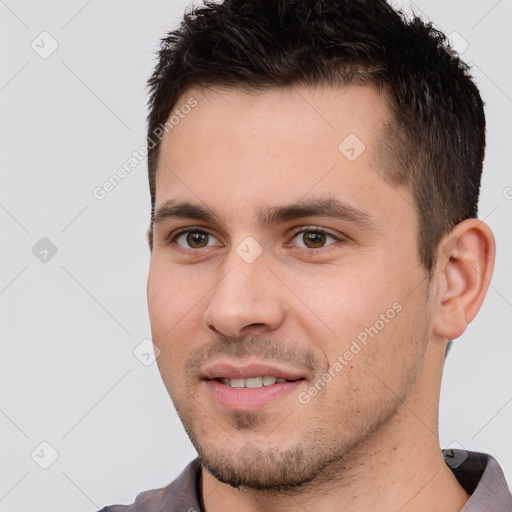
x,y
368,439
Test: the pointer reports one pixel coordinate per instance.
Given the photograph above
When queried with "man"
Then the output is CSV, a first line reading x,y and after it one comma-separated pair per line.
x,y
314,169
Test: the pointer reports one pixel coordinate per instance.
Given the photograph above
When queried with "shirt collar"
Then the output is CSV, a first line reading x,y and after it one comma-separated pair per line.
x,y
482,477
478,473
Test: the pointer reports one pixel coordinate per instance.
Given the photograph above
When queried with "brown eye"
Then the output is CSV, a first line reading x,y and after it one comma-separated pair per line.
x,y
193,239
314,238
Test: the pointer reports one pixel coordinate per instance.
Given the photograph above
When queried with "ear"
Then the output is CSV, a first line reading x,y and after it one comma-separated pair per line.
x,y
463,270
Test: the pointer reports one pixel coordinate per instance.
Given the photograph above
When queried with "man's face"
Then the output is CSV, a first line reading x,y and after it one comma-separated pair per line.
x,y
340,314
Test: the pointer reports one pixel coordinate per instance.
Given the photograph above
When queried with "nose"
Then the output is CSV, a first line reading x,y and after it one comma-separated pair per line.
x,y
248,299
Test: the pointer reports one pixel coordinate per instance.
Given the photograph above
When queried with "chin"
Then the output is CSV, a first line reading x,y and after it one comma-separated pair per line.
x,y
269,469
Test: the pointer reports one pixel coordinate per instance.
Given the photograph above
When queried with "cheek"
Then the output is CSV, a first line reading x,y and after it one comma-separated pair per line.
x,y
348,304
370,374
171,297
174,306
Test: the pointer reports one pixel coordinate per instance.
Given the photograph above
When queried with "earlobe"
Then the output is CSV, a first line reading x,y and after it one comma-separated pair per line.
x,y
465,265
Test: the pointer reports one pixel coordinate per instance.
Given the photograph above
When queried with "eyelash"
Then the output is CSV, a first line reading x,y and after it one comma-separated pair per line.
x,y
172,238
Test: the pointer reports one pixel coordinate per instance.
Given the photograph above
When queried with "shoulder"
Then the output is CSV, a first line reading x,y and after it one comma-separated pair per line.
x,y
144,502
183,491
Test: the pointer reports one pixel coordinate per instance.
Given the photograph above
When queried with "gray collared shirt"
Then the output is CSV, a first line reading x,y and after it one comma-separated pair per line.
x,y
478,473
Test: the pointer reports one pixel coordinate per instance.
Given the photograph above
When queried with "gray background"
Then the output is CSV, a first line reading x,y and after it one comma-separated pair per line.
x,y
71,321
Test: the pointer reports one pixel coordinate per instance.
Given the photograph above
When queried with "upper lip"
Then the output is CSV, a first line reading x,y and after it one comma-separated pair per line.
x,y
245,371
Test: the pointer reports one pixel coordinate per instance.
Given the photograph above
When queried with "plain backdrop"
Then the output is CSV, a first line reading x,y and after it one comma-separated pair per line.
x,y
76,394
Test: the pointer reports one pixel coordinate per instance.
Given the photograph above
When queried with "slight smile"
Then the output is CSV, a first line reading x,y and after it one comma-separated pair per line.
x,y
251,387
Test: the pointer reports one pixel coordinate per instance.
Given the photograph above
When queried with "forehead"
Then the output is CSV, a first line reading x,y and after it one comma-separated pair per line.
x,y
236,148
291,116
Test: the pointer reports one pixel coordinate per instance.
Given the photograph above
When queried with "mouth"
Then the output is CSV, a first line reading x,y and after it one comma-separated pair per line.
x,y
253,382
251,387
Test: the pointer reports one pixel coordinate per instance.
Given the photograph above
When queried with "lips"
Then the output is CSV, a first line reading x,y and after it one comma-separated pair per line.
x,y
250,387
250,371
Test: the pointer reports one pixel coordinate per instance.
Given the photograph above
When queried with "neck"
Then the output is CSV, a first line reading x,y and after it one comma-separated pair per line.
x,y
398,468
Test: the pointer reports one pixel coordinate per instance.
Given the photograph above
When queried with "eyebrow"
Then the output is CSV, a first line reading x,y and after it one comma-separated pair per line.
x,y
327,207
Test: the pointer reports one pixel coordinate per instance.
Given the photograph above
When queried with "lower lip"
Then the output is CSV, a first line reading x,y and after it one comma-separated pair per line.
x,y
250,399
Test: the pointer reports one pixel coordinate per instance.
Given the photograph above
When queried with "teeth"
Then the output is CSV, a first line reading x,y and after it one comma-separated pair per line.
x,y
252,382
